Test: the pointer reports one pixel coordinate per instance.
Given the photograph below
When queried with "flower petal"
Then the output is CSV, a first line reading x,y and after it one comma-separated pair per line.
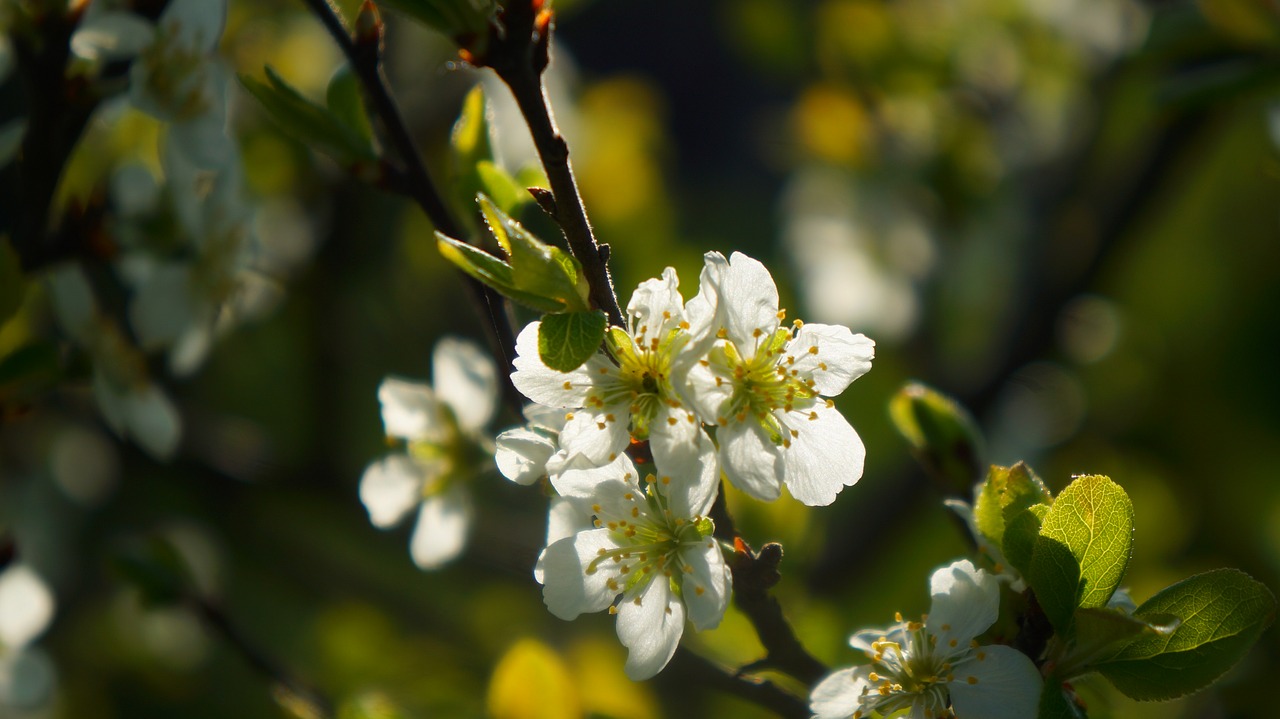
x,y
153,421
965,603
748,301
410,410
826,455
650,626
702,311
522,455
598,436
442,527
700,389
464,378
585,483
163,306
707,588
840,356
840,693
1002,683
26,606
111,35
544,385
390,488
73,301
684,452
563,520
750,460
568,590
196,23
656,306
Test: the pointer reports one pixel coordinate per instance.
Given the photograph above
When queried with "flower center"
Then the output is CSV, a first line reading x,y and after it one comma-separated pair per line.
x,y
647,539
763,383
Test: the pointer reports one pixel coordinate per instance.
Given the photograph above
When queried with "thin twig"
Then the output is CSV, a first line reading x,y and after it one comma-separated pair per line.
x,y
519,57
754,574
366,62
695,670
302,699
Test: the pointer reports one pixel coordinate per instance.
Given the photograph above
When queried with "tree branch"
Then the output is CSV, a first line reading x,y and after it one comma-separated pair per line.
x,y
692,669
754,574
365,56
519,55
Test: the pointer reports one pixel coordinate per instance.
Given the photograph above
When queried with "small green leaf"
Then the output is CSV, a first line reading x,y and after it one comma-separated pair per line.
x,y
943,436
464,21
1020,535
1055,704
537,267
507,196
1083,549
12,284
1223,612
568,340
1101,631
1005,493
492,272
313,125
346,103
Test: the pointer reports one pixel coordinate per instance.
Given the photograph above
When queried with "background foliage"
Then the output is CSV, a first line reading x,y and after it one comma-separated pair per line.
x,y
1062,213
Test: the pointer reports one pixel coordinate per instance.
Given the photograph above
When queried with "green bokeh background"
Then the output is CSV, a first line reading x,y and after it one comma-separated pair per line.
x,y
1102,289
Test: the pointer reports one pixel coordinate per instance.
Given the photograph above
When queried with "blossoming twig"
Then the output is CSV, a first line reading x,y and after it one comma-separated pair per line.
x,y
696,670
519,56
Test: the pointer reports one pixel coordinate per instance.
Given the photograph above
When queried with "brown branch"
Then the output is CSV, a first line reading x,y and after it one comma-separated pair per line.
x,y
518,53
412,178
691,669
57,110
754,574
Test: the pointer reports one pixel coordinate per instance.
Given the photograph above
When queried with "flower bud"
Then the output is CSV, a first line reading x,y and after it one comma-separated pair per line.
x,y
943,437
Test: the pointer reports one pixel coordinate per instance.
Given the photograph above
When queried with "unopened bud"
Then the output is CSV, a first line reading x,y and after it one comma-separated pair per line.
x,y
369,27
942,434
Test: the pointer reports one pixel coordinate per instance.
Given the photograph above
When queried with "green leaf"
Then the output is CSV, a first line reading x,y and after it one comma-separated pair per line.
x,y
1101,631
1083,549
1055,704
471,145
1005,493
501,187
12,283
346,104
315,126
464,21
537,267
1020,535
943,436
568,340
491,271
1223,612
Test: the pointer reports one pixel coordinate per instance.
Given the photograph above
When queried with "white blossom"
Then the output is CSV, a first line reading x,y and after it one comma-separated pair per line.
x,y
766,386
443,428
130,403
26,609
935,667
647,555
631,394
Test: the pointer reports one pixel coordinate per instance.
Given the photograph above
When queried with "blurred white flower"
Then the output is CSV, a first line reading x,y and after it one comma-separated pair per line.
x,y
443,427
26,609
130,403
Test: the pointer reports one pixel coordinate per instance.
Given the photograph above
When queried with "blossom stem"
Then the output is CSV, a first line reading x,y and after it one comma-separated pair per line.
x,y
417,183
299,698
519,58
698,671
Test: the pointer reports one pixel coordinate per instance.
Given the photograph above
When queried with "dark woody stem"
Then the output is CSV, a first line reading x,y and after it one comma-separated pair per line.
x,y
413,180
519,56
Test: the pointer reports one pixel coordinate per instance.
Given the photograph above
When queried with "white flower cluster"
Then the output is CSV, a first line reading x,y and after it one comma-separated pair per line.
x,y
716,384
185,248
